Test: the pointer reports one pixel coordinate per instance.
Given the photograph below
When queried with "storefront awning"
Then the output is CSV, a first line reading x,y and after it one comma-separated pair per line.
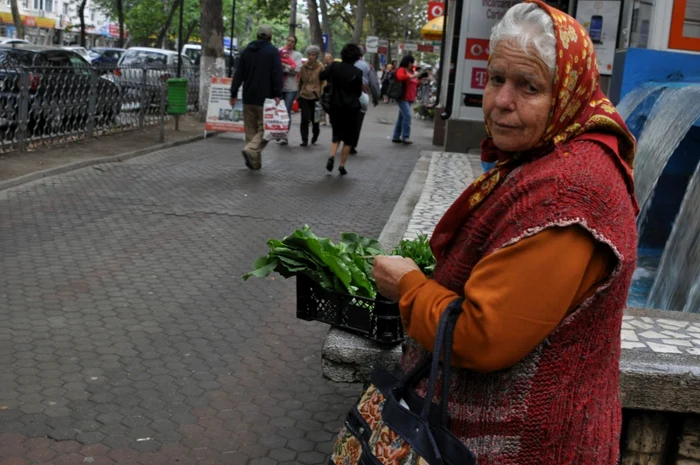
x,y
29,21
433,29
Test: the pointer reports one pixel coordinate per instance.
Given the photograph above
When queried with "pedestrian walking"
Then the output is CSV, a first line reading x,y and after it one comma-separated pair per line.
x,y
310,89
537,343
387,77
346,89
260,72
291,86
370,85
406,75
327,60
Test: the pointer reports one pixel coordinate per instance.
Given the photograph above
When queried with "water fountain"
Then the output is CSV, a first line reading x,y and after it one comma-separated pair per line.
x,y
663,112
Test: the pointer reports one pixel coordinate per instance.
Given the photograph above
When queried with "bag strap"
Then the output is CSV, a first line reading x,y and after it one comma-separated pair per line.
x,y
447,365
443,345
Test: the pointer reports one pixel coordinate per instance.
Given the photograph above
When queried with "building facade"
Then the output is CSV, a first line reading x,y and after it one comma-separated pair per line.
x,y
56,22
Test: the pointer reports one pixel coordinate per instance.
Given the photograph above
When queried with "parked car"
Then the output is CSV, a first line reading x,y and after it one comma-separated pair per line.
x,y
105,57
82,51
59,83
13,41
159,65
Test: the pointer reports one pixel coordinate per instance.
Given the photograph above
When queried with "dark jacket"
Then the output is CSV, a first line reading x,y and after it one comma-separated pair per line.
x,y
260,71
345,81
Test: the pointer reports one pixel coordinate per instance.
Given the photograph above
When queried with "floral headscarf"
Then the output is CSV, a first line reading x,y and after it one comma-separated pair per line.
x,y
579,110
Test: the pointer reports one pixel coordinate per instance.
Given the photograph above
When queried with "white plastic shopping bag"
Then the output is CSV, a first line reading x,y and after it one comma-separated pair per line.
x,y
318,113
275,119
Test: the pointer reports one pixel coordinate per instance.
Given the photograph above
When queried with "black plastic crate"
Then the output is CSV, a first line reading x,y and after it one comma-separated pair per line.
x,y
378,320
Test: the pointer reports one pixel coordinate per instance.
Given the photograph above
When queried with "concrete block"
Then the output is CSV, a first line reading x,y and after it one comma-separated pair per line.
x,y
348,358
689,444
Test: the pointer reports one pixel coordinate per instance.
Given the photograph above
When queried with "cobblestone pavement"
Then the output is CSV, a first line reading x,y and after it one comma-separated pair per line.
x,y
126,333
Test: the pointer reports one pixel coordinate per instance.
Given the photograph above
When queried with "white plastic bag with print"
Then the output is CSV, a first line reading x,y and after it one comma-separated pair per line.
x,y
275,119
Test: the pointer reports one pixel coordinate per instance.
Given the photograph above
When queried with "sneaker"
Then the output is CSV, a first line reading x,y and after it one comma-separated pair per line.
x,y
407,142
342,170
353,151
284,142
303,144
330,163
396,141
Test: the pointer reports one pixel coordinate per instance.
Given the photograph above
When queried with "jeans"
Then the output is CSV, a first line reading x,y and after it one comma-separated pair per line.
x,y
288,98
308,111
402,130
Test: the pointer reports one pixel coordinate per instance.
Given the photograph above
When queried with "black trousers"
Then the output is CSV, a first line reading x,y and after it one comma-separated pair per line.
x,y
361,119
308,109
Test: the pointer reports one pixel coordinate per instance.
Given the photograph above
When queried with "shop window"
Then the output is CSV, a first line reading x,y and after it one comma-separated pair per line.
x,y
685,25
48,5
66,10
641,19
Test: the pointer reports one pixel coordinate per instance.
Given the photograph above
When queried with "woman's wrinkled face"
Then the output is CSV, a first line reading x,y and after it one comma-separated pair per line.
x,y
312,57
517,97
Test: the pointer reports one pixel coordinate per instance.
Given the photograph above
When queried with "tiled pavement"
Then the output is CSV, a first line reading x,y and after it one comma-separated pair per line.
x,y
126,333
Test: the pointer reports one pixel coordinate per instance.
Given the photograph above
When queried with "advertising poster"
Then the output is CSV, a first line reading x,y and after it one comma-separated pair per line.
x,y
220,116
476,27
372,44
600,18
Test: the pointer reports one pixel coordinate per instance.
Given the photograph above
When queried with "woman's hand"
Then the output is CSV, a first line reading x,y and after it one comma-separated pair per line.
x,y
388,271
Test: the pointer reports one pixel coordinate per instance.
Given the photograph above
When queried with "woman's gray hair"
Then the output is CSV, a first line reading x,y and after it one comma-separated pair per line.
x,y
313,49
528,25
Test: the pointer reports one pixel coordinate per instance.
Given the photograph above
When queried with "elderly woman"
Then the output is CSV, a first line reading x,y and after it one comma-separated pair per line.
x,y
542,248
310,89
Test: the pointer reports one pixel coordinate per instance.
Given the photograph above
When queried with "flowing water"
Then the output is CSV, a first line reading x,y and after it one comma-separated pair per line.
x,y
678,275
673,282
675,111
634,98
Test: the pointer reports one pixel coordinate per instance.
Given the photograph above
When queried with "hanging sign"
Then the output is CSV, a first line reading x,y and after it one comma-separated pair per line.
x,y
410,47
372,44
435,10
383,46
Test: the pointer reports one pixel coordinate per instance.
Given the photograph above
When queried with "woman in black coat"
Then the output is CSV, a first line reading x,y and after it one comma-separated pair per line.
x,y
346,84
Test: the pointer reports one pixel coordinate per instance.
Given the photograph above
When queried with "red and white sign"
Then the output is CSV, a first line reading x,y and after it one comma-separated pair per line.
x,y
427,48
478,78
220,115
383,46
477,49
435,10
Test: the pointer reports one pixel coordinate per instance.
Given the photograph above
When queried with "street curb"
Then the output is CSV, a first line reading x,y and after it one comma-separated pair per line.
x,y
397,223
97,161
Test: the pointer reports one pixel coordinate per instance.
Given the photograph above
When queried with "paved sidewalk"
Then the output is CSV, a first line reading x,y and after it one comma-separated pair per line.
x,y
126,333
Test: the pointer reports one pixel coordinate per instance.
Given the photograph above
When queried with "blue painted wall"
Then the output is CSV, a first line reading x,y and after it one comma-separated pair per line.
x,y
636,66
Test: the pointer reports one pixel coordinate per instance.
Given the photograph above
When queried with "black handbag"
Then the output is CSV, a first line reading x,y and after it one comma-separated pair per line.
x,y
392,424
397,89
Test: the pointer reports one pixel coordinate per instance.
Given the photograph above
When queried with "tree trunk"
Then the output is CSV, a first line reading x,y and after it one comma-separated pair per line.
x,y
326,25
120,18
293,18
17,19
212,63
360,11
164,30
188,33
314,24
81,14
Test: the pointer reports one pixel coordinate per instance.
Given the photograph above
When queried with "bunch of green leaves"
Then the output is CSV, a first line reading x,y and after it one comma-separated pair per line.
x,y
418,250
342,267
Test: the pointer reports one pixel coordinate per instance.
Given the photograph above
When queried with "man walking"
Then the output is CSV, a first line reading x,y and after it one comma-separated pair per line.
x,y
370,85
260,71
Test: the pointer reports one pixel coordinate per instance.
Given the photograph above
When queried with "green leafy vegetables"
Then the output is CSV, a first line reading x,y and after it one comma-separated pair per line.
x,y
340,267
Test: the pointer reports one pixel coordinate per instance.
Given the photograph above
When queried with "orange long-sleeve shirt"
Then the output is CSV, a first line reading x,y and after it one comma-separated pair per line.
x,y
514,298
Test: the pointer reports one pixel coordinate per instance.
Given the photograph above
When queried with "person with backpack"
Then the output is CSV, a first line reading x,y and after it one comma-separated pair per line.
x,y
404,89
343,103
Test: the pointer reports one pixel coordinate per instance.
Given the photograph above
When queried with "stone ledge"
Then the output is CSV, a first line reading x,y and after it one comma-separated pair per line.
x,y
648,380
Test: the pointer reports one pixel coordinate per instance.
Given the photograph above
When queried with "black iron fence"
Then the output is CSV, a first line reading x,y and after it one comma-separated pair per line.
x,y
42,106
